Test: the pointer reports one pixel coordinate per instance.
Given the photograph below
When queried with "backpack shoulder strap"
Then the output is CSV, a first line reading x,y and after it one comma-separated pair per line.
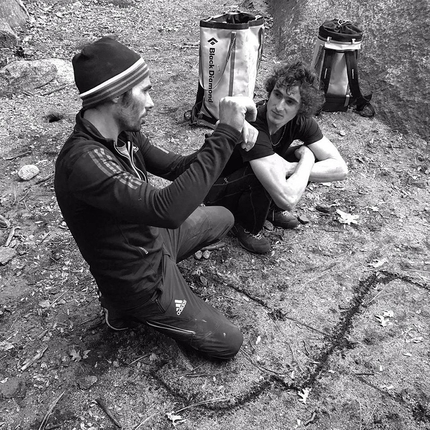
x,y
326,69
361,101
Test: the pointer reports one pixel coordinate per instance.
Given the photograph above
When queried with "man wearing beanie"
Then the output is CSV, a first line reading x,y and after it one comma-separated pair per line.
x,y
130,233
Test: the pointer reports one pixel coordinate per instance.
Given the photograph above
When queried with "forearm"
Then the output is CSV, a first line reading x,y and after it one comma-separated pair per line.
x,y
295,184
322,171
328,170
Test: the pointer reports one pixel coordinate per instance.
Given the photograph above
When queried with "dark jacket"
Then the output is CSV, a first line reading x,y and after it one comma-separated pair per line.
x,y
114,214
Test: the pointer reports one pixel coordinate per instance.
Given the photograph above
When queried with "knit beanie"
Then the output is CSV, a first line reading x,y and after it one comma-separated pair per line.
x,y
106,69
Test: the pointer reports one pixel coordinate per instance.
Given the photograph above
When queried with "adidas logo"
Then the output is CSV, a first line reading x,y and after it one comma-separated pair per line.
x,y
180,305
213,41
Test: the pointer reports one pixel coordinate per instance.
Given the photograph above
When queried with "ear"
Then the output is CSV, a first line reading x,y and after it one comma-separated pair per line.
x,y
116,99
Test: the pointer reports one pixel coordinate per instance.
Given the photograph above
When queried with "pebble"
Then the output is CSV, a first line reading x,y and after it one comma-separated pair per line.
x,y
13,388
303,219
86,382
28,172
6,254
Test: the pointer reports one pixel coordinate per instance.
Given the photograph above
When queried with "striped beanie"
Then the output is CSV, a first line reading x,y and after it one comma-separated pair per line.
x,y
106,69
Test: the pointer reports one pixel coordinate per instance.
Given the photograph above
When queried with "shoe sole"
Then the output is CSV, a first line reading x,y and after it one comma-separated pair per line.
x,y
111,326
253,250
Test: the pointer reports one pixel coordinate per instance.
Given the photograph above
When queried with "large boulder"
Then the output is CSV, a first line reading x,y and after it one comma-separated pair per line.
x,y
395,58
20,76
13,12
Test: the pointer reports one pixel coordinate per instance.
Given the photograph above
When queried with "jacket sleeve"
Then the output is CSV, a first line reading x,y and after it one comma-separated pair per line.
x,y
163,163
98,179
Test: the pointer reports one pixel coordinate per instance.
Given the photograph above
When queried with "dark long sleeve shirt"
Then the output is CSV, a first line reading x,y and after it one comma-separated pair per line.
x,y
114,214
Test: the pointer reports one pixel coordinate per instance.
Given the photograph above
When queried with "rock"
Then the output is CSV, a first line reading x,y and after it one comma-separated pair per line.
x,y
13,388
8,38
303,219
13,12
28,172
325,209
64,70
20,76
394,60
86,382
6,254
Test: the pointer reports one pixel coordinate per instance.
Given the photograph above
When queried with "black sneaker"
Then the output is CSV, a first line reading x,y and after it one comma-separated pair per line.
x,y
256,243
283,219
116,322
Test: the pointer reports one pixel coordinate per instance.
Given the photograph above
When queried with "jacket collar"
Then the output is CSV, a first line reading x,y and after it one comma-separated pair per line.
x,y
84,126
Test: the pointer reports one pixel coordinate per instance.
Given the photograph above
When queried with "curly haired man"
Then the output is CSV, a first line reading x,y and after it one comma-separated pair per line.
x,y
268,181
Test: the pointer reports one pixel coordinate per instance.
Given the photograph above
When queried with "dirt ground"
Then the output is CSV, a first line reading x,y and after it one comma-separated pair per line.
x,y
335,319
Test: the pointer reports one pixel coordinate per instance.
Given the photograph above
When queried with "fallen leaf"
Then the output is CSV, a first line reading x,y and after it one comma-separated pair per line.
x,y
76,356
384,322
346,218
384,319
418,339
176,419
378,263
45,304
388,314
304,394
6,346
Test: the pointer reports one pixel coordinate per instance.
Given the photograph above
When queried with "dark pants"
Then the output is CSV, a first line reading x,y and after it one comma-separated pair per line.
x,y
174,309
242,193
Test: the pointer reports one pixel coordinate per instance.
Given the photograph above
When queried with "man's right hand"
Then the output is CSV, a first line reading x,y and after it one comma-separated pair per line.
x,y
303,151
233,110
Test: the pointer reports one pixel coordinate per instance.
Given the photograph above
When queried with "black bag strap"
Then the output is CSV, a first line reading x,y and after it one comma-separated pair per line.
x,y
363,106
326,69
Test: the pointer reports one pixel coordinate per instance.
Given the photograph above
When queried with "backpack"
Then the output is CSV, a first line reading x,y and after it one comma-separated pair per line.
x,y
335,62
231,47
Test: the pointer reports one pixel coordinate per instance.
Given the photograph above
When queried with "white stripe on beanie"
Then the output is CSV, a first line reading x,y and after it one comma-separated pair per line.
x,y
140,63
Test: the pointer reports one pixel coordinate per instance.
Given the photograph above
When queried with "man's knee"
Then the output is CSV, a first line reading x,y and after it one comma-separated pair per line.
x,y
223,345
232,345
221,220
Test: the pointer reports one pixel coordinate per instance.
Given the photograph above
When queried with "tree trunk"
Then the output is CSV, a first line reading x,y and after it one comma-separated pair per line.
x,y
13,12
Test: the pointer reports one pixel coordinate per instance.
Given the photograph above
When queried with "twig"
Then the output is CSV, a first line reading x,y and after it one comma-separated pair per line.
x,y
260,367
35,358
373,298
22,198
4,221
55,90
58,298
22,154
139,358
311,419
144,421
214,246
44,179
199,404
109,414
51,408
11,235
